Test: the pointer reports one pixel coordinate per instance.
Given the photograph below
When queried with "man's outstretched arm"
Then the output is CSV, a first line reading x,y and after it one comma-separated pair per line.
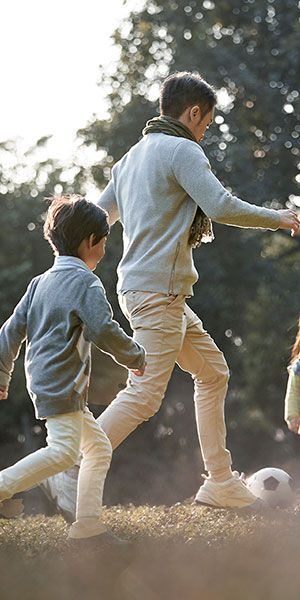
x,y
193,172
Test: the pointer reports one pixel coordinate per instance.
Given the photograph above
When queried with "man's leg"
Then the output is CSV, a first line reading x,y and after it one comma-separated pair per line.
x,y
205,362
158,324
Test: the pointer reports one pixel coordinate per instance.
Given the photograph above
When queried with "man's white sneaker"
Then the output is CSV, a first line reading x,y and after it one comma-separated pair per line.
x,y
61,491
231,493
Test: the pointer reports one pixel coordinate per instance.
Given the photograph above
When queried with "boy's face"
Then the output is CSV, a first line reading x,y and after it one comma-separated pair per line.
x,y
92,254
96,253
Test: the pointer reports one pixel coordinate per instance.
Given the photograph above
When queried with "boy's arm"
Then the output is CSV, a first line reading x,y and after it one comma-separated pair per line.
x,y
107,201
192,170
105,333
12,335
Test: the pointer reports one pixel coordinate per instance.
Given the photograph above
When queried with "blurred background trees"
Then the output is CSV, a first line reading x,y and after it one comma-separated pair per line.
x,y
247,294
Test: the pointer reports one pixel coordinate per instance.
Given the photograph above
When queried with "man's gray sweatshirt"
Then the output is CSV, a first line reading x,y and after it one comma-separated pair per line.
x,y
61,313
154,191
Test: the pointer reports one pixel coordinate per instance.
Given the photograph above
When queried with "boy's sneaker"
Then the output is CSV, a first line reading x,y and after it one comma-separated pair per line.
x,y
61,491
105,541
232,493
115,553
11,508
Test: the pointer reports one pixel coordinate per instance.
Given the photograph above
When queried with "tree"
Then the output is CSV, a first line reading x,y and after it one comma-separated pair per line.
x,y
247,294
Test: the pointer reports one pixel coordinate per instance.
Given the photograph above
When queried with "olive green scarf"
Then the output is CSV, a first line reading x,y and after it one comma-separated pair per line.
x,y
201,228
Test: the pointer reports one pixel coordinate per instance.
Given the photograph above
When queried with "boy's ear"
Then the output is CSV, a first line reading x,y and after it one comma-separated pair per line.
x,y
91,240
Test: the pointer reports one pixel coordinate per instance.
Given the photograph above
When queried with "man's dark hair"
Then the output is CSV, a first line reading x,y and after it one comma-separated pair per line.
x,y
71,219
184,89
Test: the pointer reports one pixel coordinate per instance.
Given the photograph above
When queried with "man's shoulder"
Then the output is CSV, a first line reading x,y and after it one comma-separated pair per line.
x,y
160,147
171,146
161,139
188,155
171,140
184,145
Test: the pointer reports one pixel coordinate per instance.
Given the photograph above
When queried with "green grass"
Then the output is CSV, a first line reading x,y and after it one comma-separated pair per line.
x,y
182,552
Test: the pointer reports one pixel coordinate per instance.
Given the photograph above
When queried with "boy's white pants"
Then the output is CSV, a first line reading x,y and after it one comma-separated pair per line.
x,y
68,434
172,333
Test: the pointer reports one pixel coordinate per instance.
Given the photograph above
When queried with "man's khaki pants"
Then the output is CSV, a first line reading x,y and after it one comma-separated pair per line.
x,y
172,333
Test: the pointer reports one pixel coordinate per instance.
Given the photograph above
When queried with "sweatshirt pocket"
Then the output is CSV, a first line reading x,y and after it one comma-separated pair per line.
x,y
172,276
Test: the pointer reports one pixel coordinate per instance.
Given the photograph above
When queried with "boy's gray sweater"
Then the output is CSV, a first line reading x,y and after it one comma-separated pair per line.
x,y
61,313
154,191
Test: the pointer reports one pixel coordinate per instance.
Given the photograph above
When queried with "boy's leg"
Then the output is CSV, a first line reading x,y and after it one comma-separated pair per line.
x,y
61,452
96,456
157,322
205,362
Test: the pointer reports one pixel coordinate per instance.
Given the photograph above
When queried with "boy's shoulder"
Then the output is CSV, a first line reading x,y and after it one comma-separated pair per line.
x,y
94,281
76,279
34,282
89,280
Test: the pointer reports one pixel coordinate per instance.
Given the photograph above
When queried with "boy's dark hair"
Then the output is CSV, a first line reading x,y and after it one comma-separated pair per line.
x,y
71,219
184,89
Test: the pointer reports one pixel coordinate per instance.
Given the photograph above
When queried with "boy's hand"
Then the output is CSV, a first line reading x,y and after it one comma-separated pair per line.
x,y
139,372
3,394
289,220
293,424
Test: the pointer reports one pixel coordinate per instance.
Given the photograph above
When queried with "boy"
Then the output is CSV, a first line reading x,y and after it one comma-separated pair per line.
x,y
61,313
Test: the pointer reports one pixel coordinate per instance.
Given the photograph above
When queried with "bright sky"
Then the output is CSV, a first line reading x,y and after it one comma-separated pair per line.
x,y
50,54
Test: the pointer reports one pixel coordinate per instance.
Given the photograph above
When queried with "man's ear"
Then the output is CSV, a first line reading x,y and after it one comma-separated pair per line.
x,y
195,113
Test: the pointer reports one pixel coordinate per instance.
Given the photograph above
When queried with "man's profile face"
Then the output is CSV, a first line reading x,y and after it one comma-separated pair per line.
x,y
193,120
203,124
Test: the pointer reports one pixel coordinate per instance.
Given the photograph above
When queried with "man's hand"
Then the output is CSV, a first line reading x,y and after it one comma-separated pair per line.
x,y
3,394
289,220
139,372
293,424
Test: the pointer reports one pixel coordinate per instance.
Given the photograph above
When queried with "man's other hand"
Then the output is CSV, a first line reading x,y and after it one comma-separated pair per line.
x,y
289,220
139,372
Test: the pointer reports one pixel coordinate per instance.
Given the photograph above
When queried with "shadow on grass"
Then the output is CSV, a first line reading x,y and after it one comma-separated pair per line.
x,y
254,569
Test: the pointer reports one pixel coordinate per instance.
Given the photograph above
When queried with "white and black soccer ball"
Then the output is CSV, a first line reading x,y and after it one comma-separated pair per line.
x,y
274,486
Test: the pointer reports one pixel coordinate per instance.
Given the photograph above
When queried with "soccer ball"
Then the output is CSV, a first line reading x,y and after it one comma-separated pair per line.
x,y
274,486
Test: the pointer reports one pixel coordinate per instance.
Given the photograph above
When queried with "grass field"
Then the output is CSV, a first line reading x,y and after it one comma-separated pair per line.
x,y
183,552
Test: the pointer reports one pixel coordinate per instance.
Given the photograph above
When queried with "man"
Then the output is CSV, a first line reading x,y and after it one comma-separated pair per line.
x,y
165,195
